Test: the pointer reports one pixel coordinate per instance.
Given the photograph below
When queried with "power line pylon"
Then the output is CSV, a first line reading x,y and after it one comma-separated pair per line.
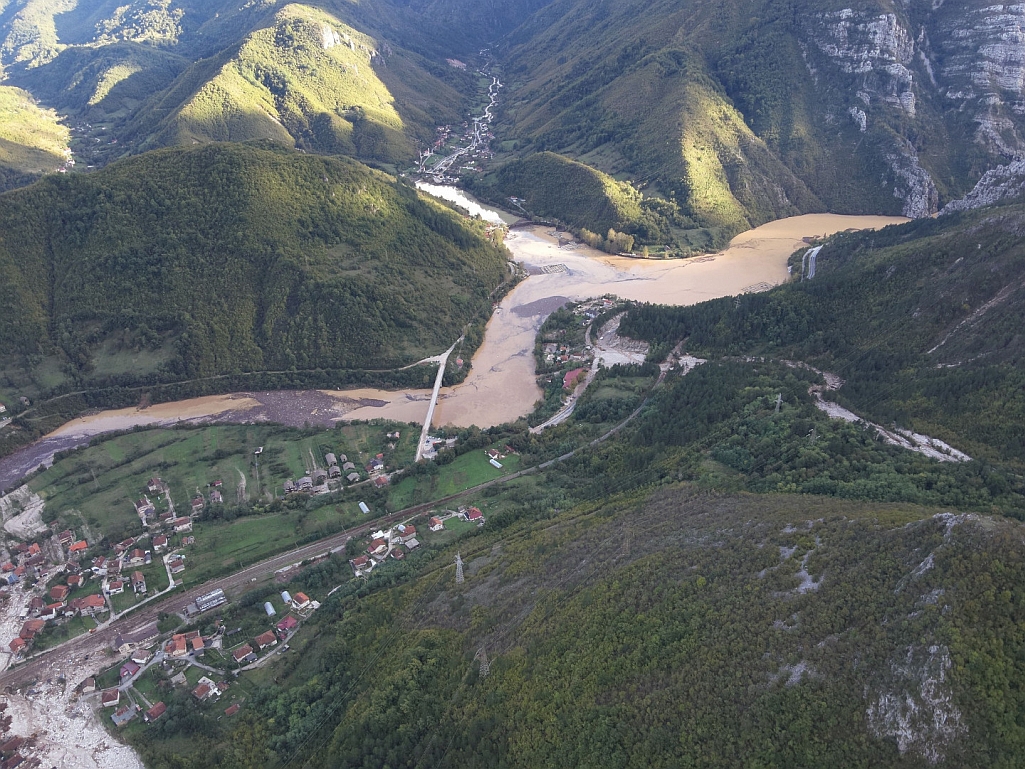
x,y
459,570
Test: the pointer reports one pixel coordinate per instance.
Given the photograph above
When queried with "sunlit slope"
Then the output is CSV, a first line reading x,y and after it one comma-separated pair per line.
x,y
33,141
310,80
239,259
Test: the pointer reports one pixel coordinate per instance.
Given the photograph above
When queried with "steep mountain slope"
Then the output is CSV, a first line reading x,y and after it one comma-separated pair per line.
x,y
749,110
236,258
923,321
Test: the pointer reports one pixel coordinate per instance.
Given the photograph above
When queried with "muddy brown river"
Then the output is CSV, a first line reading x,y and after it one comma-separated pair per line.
x,y
501,386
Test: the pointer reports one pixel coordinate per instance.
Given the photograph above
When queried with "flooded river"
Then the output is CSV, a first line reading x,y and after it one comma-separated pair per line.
x,y
501,386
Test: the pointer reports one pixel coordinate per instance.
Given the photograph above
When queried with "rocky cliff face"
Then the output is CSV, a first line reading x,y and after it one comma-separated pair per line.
x,y
963,58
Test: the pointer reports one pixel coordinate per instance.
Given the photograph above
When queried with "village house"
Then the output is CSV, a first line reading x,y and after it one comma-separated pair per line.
x,y
198,645
59,592
138,582
177,646
66,537
140,656
202,692
403,533
334,471
475,515
89,605
154,712
436,524
286,625
50,611
88,685
329,459
115,587
124,545
300,601
124,715
348,466
110,698
155,486
137,558
74,580
264,640
188,540
144,507
182,524
17,645
304,484
159,542
381,481
198,503
128,670
378,548
352,478
230,711
216,498
243,654
35,605
30,628
361,565
176,565
289,486
78,547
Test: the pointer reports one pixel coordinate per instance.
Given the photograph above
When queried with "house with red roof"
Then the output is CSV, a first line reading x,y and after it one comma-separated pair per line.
x,y
154,712
264,640
59,592
78,547
570,379
110,698
288,623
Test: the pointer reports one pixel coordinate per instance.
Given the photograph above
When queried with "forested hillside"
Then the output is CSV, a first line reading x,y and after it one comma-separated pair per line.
x,y
923,321
680,628
233,258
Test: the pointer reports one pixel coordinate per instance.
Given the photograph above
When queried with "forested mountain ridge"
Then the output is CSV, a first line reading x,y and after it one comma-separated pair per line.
x,y
233,257
664,630
923,321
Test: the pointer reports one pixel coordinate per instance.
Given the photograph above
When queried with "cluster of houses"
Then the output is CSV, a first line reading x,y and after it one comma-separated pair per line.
x,y
248,652
167,520
338,467
396,543
317,481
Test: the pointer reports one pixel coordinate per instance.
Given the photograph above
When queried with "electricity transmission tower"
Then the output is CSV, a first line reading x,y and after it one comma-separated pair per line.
x,y
485,666
459,570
